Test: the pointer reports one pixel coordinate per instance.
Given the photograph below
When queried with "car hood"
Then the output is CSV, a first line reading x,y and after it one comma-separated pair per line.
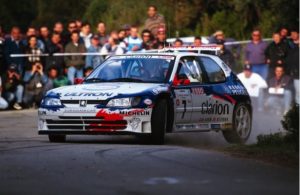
x,y
103,91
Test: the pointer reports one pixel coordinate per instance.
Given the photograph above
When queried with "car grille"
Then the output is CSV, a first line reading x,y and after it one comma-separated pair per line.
x,y
85,123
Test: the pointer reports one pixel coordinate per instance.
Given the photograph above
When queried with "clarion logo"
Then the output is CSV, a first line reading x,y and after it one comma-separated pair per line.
x,y
214,108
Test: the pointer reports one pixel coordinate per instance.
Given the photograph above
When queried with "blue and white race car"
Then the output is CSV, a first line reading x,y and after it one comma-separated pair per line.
x,y
150,94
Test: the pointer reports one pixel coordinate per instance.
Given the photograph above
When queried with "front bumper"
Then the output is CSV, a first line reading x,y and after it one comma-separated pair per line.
x,y
94,121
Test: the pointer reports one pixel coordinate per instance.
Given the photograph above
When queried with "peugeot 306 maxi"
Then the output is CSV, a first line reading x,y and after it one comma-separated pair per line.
x,y
150,94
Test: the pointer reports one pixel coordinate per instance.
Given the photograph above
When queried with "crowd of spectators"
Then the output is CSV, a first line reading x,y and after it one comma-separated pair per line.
x,y
271,70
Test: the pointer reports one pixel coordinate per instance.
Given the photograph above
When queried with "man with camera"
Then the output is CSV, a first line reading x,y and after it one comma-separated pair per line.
x,y
13,88
34,80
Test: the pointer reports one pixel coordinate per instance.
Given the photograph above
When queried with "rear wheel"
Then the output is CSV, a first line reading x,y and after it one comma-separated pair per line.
x,y
159,122
241,125
57,138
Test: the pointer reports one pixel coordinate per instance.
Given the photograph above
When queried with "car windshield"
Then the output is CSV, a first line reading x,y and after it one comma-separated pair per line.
x,y
133,68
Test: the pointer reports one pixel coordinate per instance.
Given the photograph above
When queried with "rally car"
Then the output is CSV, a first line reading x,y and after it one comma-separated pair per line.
x,y
150,94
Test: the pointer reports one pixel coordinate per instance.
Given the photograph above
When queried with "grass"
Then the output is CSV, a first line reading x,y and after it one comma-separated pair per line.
x,y
274,148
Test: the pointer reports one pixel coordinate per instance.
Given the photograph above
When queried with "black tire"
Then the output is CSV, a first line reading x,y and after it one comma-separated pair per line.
x,y
159,122
57,138
241,125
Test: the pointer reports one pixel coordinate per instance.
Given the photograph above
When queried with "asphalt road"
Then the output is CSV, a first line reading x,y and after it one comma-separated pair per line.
x,y
187,164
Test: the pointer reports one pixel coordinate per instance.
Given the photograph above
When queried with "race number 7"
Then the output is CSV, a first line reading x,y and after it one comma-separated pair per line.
x,y
184,108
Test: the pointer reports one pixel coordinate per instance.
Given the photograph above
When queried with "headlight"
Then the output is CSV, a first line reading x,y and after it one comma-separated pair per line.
x,y
51,102
124,102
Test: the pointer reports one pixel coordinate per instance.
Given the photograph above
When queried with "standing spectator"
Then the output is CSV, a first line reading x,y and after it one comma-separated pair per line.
x,y
122,35
33,49
134,43
55,46
2,67
154,20
276,53
13,88
255,55
161,39
58,28
79,25
31,31
254,84
45,36
220,36
75,64
34,80
284,33
71,28
178,43
197,42
280,91
226,55
112,47
3,103
101,32
147,38
292,62
14,45
93,61
86,34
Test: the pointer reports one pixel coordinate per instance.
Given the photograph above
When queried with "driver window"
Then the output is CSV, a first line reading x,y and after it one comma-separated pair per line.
x,y
189,68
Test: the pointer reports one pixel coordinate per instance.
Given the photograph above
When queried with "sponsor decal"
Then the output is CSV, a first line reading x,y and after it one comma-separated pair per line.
x,y
227,126
148,102
88,94
237,90
213,119
226,98
134,123
41,113
145,56
214,108
193,126
136,112
159,89
82,103
198,91
177,102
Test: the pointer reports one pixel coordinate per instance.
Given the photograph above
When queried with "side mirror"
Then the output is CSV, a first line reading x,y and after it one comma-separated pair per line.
x,y
78,81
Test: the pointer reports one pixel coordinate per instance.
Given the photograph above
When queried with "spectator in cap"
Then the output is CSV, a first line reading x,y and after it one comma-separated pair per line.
x,y
126,27
254,84
226,54
3,103
13,88
154,20
255,54
161,39
93,61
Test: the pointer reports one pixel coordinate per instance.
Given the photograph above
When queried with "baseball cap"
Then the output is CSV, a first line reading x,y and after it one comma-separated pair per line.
x,y
96,37
247,67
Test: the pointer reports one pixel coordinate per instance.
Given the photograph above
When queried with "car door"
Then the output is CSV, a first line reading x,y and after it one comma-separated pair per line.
x,y
183,105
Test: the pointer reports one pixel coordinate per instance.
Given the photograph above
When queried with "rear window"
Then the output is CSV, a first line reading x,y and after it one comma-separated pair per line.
x,y
214,71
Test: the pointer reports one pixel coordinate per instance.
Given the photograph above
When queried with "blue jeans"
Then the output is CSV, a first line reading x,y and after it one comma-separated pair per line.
x,y
74,73
17,95
261,69
3,104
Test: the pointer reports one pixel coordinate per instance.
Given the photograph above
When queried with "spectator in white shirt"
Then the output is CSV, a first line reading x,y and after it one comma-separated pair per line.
x,y
254,84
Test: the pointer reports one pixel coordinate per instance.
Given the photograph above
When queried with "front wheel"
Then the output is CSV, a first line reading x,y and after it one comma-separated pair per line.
x,y
241,123
159,122
57,138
